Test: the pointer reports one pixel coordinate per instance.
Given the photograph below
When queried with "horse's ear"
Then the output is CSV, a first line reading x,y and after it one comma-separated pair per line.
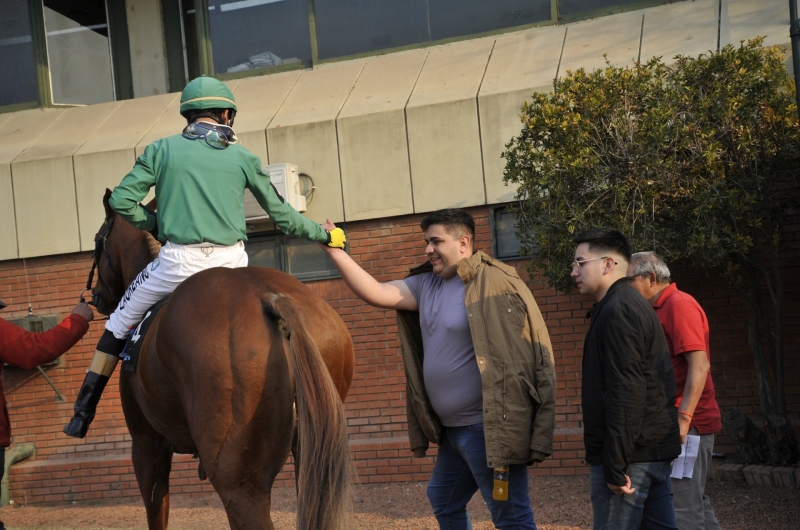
x,y
109,211
153,205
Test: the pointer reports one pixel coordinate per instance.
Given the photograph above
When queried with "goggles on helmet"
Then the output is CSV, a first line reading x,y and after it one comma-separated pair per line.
x,y
216,136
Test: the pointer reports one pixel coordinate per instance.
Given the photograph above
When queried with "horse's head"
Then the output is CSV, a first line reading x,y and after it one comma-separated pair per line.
x,y
120,253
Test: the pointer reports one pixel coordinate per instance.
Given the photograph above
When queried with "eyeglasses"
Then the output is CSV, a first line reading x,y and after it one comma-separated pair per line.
x,y
578,264
216,136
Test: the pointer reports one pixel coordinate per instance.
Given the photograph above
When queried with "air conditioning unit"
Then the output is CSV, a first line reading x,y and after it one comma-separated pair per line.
x,y
286,180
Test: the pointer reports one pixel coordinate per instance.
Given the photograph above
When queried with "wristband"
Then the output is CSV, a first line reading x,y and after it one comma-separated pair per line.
x,y
686,414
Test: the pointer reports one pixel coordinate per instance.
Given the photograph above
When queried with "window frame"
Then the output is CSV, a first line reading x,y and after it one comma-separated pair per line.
x,y
120,57
283,245
493,228
205,46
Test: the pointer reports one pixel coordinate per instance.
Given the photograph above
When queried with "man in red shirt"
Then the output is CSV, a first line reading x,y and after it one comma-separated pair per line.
x,y
28,350
686,329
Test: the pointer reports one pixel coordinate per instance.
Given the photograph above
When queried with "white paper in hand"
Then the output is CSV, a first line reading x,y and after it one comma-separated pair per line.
x,y
692,450
683,466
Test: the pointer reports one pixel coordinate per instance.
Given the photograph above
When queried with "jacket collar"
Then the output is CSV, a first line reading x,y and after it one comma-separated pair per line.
x,y
617,285
468,268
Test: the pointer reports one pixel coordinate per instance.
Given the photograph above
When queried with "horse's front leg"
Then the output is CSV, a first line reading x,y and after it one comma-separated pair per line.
x,y
152,459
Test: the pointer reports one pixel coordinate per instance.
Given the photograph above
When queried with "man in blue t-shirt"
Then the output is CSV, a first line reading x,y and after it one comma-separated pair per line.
x,y
480,378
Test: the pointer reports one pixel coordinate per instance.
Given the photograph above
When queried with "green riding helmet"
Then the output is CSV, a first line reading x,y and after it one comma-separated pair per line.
x,y
206,93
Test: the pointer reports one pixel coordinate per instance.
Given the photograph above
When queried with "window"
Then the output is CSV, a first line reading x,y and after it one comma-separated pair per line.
x,y
349,27
63,52
574,7
248,34
18,82
301,258
454,18
504,237
79,52
244,35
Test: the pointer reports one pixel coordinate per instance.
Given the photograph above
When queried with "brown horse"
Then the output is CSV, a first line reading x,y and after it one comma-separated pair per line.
x,y
219,374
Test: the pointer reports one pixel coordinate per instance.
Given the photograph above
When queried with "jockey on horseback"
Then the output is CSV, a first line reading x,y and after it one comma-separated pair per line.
x,y
200,177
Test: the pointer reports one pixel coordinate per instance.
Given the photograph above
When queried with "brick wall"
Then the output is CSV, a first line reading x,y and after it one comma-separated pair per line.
x,y
99,467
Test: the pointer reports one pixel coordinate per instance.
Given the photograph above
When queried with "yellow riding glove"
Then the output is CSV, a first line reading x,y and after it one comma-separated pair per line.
x,y
336,238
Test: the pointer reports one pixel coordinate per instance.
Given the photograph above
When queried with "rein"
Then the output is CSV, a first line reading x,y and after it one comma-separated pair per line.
x,y
101,247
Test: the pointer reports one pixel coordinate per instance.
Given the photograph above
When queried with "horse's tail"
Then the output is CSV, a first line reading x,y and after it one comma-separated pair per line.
x,y
324,478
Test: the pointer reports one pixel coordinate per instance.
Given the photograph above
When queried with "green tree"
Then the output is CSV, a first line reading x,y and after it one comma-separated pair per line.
x,y
696,161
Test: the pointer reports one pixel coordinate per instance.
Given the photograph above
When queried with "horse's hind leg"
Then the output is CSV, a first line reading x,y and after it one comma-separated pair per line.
x,y
152,460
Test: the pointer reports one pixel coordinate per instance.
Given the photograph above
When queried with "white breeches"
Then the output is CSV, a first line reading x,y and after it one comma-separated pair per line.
x,y
174,264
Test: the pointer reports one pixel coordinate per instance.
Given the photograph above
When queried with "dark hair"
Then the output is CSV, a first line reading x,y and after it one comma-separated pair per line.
x,y
606,240
453,220
193,115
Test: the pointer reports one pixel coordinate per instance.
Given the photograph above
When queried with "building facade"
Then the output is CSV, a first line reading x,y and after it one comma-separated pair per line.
x,y
389,112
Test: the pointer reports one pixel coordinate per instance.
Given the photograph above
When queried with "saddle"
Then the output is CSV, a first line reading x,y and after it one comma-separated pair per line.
x,y
130,353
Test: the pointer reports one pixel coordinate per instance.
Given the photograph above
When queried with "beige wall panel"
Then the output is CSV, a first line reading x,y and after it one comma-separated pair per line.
x,y
617,36
22,129
8,226
65,136
44,198
375,175
303,132
312,147
148,56
522,61
442,120
125,128
94,172
256,143
259,98
444,148
685,28
519,63
5,117
318,95
747,19
171,122
500,121
452,72
373,147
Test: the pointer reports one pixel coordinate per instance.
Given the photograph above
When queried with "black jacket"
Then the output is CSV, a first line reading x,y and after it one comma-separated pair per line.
x,y
628,398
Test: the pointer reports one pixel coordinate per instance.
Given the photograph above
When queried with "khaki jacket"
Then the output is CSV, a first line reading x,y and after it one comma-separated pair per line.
x,y
515,358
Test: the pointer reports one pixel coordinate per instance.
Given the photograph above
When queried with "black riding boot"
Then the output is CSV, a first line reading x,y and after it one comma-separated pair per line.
x,y
93,385
86,404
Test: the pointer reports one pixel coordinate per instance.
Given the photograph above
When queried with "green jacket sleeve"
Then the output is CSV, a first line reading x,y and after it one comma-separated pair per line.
x,y
280,212
133,188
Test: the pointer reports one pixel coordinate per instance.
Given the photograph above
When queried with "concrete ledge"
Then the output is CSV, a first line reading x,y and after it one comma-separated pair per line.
x,y
755,475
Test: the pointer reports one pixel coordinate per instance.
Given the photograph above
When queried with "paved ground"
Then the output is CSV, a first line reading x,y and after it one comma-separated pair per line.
x,y
559,504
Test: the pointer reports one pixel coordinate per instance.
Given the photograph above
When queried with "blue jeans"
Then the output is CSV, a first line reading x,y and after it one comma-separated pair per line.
x,y
461,470
650,506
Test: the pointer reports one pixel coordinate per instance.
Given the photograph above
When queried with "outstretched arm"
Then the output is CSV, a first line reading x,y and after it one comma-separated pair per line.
x,y
388,295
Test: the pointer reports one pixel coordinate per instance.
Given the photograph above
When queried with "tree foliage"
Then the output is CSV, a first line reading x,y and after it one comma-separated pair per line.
x,y
697,160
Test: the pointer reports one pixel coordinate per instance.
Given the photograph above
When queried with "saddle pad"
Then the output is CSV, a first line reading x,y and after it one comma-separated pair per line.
x,y
130,353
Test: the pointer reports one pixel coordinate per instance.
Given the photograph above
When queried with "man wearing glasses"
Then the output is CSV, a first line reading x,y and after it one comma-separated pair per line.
x,y
199,178
628,392
686,329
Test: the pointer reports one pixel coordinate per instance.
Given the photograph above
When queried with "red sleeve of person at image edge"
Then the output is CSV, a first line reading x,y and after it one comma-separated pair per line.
x,y
27,350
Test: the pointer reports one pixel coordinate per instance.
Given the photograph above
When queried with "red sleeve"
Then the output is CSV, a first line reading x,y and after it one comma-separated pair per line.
x,y
685,325
28,350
